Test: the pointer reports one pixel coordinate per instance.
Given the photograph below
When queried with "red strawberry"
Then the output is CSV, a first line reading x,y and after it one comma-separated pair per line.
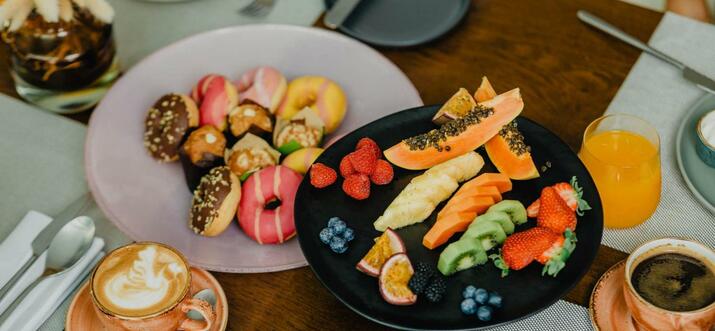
x,y
533,209
571,193
554,214
363,160
369,144
346,168
554,258
357,186
322,176
521,248
383,173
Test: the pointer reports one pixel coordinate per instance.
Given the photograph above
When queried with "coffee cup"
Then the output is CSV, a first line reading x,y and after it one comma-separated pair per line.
x,y
670,285
146,286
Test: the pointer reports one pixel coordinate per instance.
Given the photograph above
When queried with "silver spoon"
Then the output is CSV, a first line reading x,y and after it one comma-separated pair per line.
x,y
207,295
66,248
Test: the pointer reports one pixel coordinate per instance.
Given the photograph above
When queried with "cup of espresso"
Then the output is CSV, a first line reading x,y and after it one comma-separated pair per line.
x,y
145,286
670,285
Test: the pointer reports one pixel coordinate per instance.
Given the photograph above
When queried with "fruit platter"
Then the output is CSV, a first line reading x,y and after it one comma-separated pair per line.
x,y
460,216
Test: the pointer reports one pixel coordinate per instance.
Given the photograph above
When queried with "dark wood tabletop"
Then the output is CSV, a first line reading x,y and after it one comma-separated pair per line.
x,y
568,73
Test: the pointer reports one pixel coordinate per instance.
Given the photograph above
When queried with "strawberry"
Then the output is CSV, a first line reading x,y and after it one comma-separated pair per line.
x,y
571,193
521,248
346,168
554,258
383,173
369,144
322,176
363,160
357,186
554,214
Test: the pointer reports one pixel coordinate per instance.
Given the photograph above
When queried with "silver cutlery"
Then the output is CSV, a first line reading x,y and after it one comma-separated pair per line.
x,y
257,8
339,13
65,250
689,74
43,240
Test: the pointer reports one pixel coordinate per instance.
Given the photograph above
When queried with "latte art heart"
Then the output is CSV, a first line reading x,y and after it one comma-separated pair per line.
x,y
141,280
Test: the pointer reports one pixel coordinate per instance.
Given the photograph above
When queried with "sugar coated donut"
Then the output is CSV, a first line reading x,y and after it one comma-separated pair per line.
x,y
264,85
216,96
269,226
215,202
166,124
320,94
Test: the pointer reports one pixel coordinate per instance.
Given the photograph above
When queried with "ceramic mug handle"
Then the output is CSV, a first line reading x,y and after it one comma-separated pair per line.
x,y
204,308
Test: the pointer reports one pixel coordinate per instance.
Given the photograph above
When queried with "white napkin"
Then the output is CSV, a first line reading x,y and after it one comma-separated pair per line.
x,y
46,297
657,92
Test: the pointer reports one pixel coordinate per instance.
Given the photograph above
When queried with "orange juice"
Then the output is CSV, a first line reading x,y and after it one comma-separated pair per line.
x,y
626,169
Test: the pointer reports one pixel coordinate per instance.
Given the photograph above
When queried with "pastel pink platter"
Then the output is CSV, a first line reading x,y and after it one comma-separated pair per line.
x,y
149,201
607,306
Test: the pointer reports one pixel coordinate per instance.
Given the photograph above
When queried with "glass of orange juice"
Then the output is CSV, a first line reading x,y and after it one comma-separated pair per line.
x,y
622,153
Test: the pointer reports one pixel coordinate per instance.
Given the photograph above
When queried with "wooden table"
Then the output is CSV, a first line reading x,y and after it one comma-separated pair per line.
x,y
568,74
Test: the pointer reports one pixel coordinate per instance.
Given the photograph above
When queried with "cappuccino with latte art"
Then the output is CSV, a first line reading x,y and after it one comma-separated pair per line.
x,y
140,280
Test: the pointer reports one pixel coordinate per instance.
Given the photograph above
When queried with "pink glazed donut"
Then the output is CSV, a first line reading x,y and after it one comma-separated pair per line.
x,y
269,226
264,85
216,96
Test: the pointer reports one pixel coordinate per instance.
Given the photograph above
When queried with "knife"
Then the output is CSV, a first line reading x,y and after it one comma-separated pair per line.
x,y
339,13
689,74
44,238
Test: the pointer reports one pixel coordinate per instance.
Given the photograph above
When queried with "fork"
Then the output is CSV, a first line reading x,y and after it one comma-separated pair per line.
x,y
257,8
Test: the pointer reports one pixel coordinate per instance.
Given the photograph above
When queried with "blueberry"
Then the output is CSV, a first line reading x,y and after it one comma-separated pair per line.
x,y
326,234
338,245
481,296
339,227
484,313
333,221
469,306
348,234
494,299
469,292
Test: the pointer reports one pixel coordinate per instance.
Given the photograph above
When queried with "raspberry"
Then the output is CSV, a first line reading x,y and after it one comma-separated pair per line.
x,y
383,173
322,176
346,168
369,144
363,160
357,186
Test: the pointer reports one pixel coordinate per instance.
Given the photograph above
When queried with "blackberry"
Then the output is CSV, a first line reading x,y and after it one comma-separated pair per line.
x,y
435,291
421,278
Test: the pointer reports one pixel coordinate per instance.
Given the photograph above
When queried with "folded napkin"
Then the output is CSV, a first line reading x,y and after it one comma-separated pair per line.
x,y
47,296
657,92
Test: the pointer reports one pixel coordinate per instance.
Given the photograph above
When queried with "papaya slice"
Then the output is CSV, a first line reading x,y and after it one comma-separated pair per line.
x,y
459,136
476,204
444,228
507,150
476,191
499,180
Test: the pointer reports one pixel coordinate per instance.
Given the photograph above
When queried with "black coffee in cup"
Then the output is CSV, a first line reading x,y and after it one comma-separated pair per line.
x,y
674,282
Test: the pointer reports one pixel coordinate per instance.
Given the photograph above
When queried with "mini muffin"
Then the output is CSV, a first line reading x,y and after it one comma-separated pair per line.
x,y
204,146
249,118
166,124
215,202
305,129
249,155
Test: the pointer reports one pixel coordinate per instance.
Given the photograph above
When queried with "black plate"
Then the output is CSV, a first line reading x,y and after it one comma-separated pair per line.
x,y
402,23
525,292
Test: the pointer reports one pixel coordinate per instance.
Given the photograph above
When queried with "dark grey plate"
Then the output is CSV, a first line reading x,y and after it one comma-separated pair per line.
x,y
402,23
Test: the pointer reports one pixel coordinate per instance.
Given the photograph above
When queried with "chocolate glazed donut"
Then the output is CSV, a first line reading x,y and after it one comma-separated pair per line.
x,y
166,124
215,202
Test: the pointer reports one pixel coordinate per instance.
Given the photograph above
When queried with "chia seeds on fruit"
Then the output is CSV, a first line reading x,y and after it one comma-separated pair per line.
x,y
514,139
434,137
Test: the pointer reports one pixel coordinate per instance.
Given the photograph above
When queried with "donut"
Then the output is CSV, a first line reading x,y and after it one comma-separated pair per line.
x,y
320,94
215,201
216,96
264,86
166,124
249,118
204,146
269,226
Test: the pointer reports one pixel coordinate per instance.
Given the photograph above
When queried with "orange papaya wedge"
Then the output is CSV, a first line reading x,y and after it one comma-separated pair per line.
x,y
499,180
472,196
459,136
485,91
477,204
443,229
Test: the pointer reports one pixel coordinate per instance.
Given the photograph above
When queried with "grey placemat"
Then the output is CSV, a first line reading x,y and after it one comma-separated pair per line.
x,y
657,92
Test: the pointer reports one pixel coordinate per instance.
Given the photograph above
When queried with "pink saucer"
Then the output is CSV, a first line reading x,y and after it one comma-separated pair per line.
x,y
81,315
607,306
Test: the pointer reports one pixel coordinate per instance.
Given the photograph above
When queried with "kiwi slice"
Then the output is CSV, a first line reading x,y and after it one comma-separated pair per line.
x,y
514,208
461,254
489,234
498,217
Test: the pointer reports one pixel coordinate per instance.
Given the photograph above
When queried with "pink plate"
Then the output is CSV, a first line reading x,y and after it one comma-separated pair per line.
x,y
149,201
607,307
